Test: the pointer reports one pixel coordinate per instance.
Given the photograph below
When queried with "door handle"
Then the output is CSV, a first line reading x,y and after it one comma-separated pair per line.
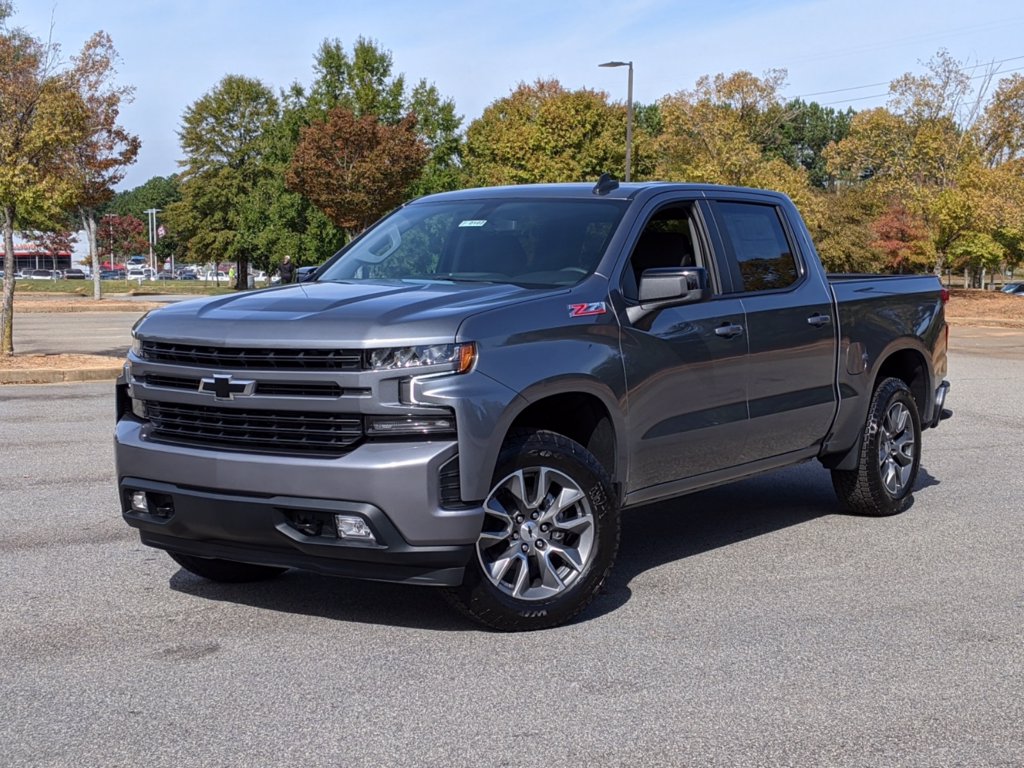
x,y
728,330
818,320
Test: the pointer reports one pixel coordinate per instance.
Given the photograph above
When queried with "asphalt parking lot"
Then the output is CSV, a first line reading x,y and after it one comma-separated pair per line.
x,y
747,625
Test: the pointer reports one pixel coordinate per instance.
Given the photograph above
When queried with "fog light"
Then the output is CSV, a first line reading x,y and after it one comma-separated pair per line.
x,y
138,502
353,527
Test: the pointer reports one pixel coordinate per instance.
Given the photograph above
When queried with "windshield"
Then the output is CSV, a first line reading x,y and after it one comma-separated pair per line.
x,y
542,243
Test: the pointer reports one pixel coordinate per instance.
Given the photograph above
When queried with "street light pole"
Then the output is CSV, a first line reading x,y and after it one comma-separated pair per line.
x,y
629,113
152,235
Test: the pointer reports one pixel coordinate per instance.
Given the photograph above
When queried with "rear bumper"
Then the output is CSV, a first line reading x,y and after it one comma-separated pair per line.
x,y
939,411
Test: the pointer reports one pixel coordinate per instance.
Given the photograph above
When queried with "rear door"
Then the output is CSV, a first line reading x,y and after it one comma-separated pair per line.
x,y
791,327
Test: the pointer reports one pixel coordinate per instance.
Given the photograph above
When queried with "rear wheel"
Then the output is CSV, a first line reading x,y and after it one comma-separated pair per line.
x,y
549,536
890,455
225,570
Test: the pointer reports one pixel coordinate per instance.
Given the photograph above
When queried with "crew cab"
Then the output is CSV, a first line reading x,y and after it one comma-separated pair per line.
x,y
469,393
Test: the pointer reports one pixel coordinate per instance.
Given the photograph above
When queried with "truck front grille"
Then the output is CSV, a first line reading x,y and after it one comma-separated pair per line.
x,y
253,358
277,432
271,388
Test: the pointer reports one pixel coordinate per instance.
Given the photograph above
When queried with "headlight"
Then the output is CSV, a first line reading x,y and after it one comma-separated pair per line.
x,y
136,346
462,356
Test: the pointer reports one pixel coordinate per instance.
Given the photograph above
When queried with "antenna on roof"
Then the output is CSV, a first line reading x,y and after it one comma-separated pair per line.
x,y
605,184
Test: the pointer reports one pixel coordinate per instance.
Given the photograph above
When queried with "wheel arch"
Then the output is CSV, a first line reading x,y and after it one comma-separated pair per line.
x,y
581,409
905,359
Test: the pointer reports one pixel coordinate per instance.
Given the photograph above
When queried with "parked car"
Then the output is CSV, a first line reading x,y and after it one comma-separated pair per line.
x,y
112,274
187,276
165,276
1014,288
74,274
43,274
477,386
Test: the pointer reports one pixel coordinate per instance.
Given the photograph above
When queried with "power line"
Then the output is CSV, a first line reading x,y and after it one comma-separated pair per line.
x,y
876,85
879,95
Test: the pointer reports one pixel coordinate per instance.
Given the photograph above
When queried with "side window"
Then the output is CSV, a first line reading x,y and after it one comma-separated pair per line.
x,y
759,245
668,240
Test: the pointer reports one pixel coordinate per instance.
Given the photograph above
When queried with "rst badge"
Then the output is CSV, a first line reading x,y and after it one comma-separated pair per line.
x,y
585,310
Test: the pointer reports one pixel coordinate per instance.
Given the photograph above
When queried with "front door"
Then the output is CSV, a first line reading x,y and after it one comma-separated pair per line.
x,y
686,366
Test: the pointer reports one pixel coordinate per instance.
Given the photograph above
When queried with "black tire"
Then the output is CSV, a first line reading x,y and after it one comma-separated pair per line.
x,y
890,455
225,570
545,560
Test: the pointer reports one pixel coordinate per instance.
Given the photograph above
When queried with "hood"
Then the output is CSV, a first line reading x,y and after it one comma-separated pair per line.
x,y
354,314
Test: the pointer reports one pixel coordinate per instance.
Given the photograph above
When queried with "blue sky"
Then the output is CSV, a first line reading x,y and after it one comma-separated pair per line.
x,y
175,51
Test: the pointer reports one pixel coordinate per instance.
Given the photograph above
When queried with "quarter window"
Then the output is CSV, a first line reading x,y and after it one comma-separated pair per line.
x,y
759,245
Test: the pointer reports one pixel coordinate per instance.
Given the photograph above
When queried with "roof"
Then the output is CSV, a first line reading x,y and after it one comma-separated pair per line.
x,y
585,190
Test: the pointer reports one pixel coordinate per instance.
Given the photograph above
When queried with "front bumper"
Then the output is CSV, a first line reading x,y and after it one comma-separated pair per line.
x,y
243,507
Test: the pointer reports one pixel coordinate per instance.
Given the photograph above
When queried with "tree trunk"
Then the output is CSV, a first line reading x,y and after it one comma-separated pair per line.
x,y
89,225
7,313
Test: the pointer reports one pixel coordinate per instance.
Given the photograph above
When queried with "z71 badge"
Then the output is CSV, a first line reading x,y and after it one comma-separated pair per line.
x,y
585,310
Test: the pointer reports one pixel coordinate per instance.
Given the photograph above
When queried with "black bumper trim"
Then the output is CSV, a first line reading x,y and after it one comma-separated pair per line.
x,y
257,529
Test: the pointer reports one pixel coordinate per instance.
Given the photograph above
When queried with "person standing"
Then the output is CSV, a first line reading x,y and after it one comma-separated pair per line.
x,y
287,270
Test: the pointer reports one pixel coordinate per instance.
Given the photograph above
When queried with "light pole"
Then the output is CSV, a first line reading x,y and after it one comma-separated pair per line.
x,y
152,235
629,112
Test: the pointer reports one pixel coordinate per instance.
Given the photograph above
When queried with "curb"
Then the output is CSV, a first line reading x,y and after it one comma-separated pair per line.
x,y
59,376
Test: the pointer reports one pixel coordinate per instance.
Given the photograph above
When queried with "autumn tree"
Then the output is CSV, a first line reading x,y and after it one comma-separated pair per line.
x,y
903,240
544,132
725,131
123,236
103,156
356,169
42,118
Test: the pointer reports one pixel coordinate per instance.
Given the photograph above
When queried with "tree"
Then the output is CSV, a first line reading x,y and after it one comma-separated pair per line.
x,y
438,126
223,137
1002,126
361,83
355,168
158,192
107,149
546,133
723,132
42,118
121,235
903,240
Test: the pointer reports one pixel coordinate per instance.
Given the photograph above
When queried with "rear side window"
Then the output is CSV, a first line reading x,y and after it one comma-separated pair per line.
x,y
759,244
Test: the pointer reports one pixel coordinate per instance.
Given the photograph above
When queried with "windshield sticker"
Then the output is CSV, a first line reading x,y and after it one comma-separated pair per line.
x,y
585,310
473,223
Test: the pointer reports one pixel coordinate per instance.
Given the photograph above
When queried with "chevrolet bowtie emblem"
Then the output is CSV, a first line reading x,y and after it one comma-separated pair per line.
x,y
225,387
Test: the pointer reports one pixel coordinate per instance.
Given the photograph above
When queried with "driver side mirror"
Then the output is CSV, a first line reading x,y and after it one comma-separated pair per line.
x,y
663,287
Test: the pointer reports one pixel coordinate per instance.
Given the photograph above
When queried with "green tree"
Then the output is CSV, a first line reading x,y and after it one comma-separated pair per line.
x,y
224,139
362,83
42,119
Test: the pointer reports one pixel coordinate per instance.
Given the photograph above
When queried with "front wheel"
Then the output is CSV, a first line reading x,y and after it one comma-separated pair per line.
x,y
549,537
890,455
225,570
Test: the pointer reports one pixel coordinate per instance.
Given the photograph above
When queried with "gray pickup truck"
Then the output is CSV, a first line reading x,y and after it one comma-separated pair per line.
x,y
469,393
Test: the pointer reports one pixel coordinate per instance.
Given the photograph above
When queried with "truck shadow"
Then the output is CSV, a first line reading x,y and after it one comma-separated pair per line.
x,y
652,535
